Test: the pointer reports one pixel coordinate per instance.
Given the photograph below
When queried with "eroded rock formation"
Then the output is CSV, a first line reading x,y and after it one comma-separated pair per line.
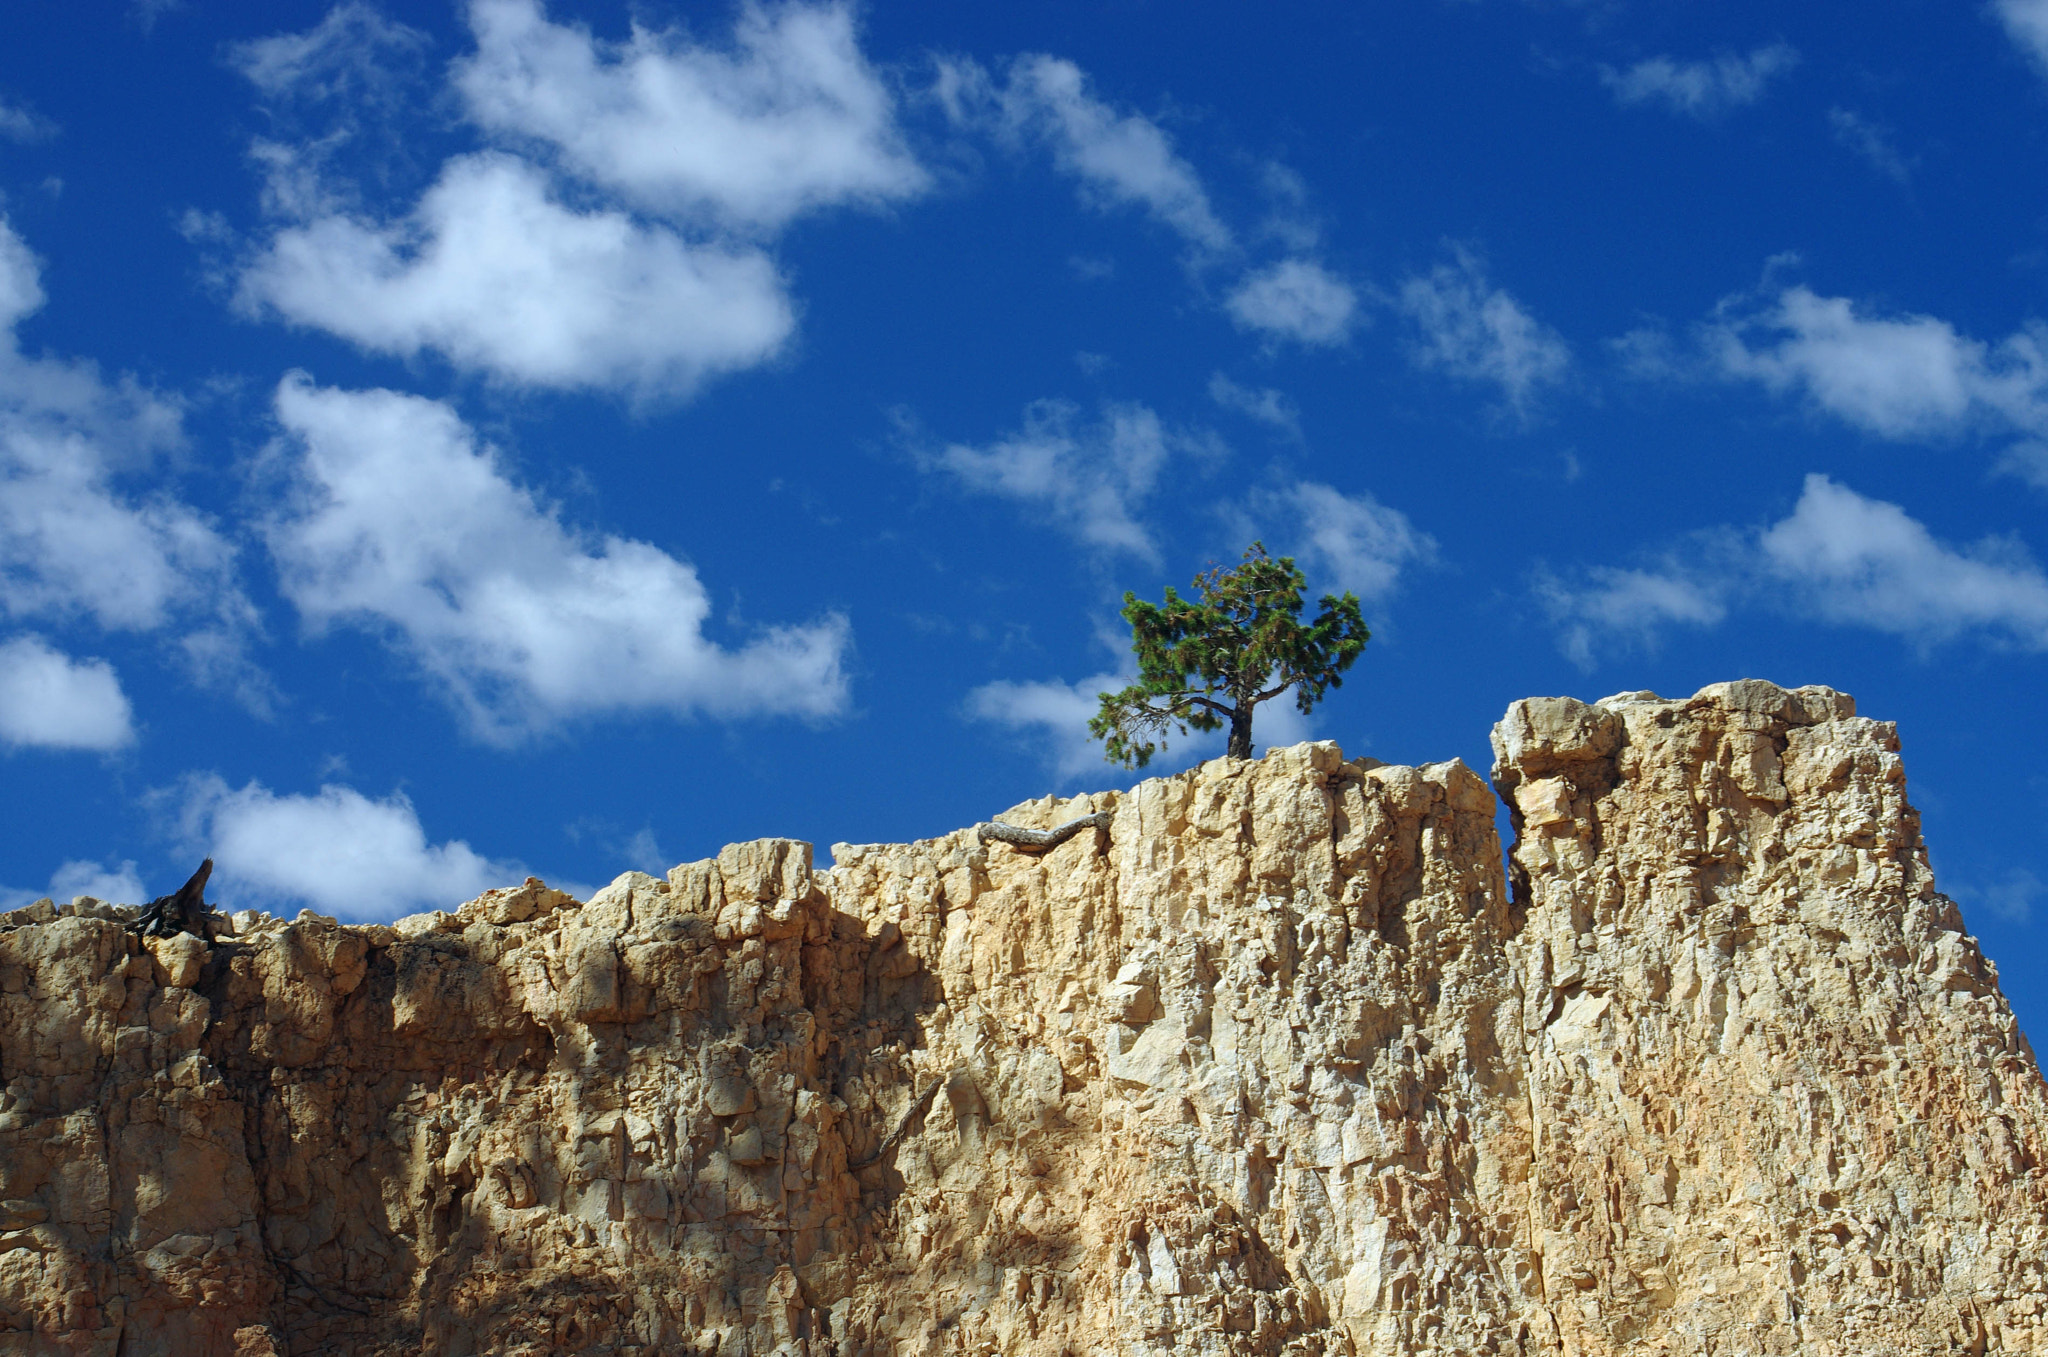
x,y
1276,1063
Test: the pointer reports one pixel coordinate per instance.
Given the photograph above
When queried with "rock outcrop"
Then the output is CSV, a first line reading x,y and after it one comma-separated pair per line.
x,y
1281,1061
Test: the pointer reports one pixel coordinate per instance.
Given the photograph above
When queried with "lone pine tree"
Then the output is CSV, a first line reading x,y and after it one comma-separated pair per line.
x,y
1201,664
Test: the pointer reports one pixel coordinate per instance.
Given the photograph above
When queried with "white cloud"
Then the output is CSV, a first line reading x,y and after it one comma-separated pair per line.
x,y
338,851
1863,562
789,119
73,541
1294,299
19,123
2026,23
402,523
2010,896
145,13
1121,159
1701,89
50,701
1612,608
1478,332
643,852
1353,541
1264,404
115,885
1051,716
497,274
1872,142
354,53
1839,557
1899,377
2027,460
1088,480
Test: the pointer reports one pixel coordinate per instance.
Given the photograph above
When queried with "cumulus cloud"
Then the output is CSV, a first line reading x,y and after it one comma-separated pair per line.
x,y
119,885
74,541
402,523
1051,717
1089,480
1838,557
2026,23
1626,609
1352,542
1901,377
1264,404
501,268
1470,329
50,701
337,850
1701,89
496,273
1122,159
1294,299
1863,562
789,118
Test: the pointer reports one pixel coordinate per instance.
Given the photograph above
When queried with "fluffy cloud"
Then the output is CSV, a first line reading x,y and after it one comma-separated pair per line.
x,y
493,271
1270,407
73,542
497,270
1862,562
1087,479
1701,89
790,119
1294,299
1352,541
1615,608
403,524
1470,329
1899,377
1121,159
50,701
338,851
1839,557
116,885
1051,717
2026,23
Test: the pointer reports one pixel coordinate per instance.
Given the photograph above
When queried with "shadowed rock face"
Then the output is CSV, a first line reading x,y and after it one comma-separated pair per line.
x,y
1277,1063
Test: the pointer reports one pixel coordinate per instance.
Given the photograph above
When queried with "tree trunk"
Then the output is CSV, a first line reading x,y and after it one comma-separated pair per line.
x,y
1240,732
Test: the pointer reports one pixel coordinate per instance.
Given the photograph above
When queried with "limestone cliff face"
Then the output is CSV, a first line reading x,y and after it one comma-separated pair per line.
x,y
1278,1063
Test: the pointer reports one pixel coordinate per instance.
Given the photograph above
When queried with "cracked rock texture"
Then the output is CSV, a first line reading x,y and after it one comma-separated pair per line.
x,y
1277,1063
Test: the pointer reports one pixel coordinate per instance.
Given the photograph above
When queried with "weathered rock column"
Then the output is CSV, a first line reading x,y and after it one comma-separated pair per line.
x,y
1780,1105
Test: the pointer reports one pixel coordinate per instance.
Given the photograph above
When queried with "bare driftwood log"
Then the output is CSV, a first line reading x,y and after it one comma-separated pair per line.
x,y
184,911
995,831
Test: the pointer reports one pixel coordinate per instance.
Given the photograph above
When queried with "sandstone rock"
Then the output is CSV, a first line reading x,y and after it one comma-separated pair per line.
x,y
1280,1063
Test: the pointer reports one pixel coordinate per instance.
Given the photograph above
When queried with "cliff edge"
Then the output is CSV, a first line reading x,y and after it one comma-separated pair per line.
x,y
1288,1059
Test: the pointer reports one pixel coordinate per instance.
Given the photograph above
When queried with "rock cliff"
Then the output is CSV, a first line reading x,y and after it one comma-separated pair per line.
x,y
1288,1059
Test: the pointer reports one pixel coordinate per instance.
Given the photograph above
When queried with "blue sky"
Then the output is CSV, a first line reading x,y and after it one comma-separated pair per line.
x,y
443,442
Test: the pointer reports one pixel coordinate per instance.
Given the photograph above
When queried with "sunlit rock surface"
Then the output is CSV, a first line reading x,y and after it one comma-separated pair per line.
x,y
1278,1063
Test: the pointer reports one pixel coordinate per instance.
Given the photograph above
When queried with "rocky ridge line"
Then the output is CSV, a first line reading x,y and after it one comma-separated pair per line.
x,y
1277,1062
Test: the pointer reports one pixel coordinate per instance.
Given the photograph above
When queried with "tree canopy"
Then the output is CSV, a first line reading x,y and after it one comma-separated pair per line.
x,y
1205,663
